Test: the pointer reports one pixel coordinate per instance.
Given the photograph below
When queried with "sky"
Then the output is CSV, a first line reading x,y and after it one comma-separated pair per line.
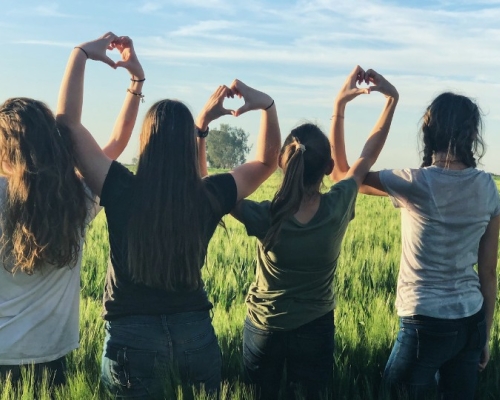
x,y
299,52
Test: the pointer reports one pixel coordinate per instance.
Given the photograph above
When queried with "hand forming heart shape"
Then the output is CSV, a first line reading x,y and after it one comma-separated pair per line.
x,y
374,81
214,107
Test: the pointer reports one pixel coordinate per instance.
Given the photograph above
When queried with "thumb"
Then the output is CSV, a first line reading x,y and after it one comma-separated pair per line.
x,y
121,64
243,109
364,90
109,61
376,88
225,111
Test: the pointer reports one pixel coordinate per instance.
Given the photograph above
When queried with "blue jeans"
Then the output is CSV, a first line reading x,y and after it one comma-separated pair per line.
x,y
147,356
432,353
306,351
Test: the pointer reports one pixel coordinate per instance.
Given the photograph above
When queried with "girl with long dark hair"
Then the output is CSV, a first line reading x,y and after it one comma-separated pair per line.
x,y
45,208
449,223
160,222
290,305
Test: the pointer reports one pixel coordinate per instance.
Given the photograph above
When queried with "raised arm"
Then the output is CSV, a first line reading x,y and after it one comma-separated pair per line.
x,y
252,174
212,110
92,161
125,122
487,271
375,142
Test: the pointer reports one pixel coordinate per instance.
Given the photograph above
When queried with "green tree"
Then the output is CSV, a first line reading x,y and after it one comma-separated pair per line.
x,y
227,146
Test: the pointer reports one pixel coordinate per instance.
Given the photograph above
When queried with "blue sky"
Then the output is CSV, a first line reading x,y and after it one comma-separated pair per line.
x,y
297,51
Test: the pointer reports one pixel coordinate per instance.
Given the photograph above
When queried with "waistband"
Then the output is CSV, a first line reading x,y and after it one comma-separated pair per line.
x,y
479,316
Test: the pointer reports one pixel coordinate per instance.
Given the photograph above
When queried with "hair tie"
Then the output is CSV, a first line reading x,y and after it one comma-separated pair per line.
x,y
300,146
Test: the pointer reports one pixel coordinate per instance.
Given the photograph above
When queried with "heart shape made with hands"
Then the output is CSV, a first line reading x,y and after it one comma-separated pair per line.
x,y
233,103
227,100
365,79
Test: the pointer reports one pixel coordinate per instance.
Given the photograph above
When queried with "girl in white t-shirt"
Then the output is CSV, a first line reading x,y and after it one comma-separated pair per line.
x,y
44,211
450,222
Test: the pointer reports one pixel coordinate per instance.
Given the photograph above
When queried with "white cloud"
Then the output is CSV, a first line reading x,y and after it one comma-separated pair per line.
x,y
150,7
50,10
51,43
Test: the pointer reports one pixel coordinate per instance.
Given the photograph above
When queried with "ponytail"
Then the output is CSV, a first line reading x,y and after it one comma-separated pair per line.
x,y
287,200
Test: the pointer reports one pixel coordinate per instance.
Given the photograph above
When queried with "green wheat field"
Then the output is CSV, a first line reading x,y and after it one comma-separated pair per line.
x,y
365,318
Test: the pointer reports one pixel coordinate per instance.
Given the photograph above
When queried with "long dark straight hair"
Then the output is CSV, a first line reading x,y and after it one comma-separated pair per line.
x,y
43,218
304,159
165,233
452,124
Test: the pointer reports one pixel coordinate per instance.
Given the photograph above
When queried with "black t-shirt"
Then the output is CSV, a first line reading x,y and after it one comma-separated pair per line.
x,y
124,297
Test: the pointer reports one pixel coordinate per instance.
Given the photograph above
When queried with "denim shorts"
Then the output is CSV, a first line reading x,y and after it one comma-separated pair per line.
x,y
432,353
148,356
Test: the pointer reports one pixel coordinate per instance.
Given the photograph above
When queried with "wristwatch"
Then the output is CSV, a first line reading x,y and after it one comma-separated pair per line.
x,y
202,134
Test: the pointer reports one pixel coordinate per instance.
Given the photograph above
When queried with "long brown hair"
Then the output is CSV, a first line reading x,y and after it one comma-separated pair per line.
x,y
165,233
43,217
452,124
304,158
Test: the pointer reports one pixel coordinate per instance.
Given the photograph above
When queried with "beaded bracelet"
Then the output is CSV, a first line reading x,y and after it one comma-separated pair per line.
x,y
140,95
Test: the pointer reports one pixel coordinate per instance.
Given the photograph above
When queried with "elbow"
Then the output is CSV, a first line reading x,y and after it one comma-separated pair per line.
x,y
113,150
338,174
271,163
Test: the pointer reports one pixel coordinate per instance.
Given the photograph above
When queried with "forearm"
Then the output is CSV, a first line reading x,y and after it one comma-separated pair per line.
x,y
69,106
269,140
378,135
125,122
202,156
337,142
487,268
202,122
489,290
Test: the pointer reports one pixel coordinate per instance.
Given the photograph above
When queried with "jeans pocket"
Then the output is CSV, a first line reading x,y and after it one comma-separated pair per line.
x,y
477,338
203,365
259,345
427,345
132,370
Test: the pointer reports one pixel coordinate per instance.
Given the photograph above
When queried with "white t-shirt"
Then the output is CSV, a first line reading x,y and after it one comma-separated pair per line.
x,y
39,313
444,214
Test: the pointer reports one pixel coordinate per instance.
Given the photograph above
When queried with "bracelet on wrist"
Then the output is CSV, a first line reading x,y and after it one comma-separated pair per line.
x,y
140,95
137,80
202,134
336,116
269,106
87,54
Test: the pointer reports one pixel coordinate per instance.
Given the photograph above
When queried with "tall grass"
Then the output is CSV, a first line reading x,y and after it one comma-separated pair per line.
x,y
365,319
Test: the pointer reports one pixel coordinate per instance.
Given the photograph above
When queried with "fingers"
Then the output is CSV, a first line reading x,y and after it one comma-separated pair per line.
x,y
121,64
242,110
363,91
238,88
110,37
373,76
357,75
223,91
109,61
